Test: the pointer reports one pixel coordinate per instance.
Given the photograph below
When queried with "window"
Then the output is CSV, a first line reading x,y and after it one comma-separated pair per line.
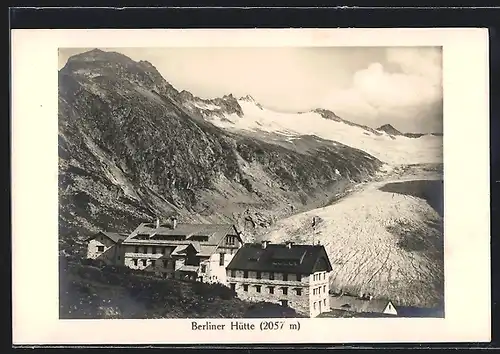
x,y
245,274
285,291
299,277
135,262
299,291
285,276
245,287
257,288
144,262
119,257
324,276
203,268
284,303
221,260
324,302
153,262
154,250
314,305
258,275
271,290
324,288
271,276
233,286
165,263
233,273
100,248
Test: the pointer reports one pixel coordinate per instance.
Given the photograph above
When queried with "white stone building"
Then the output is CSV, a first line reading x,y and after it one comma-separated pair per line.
x,y
291,275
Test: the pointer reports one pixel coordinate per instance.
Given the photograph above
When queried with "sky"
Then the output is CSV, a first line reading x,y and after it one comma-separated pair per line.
x,y
401,86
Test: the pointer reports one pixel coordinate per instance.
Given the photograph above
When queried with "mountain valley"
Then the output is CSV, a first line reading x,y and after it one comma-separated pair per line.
x,y
133,148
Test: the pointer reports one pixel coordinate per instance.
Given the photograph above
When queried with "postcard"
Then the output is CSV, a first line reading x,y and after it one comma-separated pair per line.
x,y
250,186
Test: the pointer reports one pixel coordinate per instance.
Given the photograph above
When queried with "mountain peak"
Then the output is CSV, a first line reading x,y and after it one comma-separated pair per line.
x,y
389,129
95,56
247,98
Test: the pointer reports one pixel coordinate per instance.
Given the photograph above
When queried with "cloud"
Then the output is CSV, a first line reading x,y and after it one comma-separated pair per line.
x,y
405,90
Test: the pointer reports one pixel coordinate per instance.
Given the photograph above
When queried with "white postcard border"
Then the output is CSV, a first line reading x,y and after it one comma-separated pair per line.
x,y
35,204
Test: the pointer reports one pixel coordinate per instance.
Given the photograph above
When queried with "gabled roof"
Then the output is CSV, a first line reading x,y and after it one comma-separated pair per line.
x,y
182,249
214,232
351,303
279,258
113,236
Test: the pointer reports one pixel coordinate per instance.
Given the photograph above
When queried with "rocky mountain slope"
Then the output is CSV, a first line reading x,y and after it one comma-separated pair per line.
x,y
132,147
389,129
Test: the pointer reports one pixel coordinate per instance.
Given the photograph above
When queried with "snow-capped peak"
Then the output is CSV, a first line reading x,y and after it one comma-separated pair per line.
x,y
387,148
247,98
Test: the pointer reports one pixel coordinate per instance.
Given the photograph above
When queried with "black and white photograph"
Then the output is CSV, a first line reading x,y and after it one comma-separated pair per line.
x,y
251,182
246,183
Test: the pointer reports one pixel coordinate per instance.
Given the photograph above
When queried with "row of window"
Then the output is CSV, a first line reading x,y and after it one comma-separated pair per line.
x,y
298,277
319,303
319,276
270,289
317,290
144,249
144,262
139,249
231,240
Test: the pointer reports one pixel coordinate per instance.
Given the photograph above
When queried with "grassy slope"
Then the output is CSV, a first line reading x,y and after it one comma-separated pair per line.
x,y
88,291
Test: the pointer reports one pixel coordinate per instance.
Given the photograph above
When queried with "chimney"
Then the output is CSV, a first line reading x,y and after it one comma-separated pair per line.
x,y
264,244
174,222
289,244
157,223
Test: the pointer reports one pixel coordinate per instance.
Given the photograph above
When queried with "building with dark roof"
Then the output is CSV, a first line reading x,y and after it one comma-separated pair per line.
x,y
364,305
184,251
106,247
290,274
